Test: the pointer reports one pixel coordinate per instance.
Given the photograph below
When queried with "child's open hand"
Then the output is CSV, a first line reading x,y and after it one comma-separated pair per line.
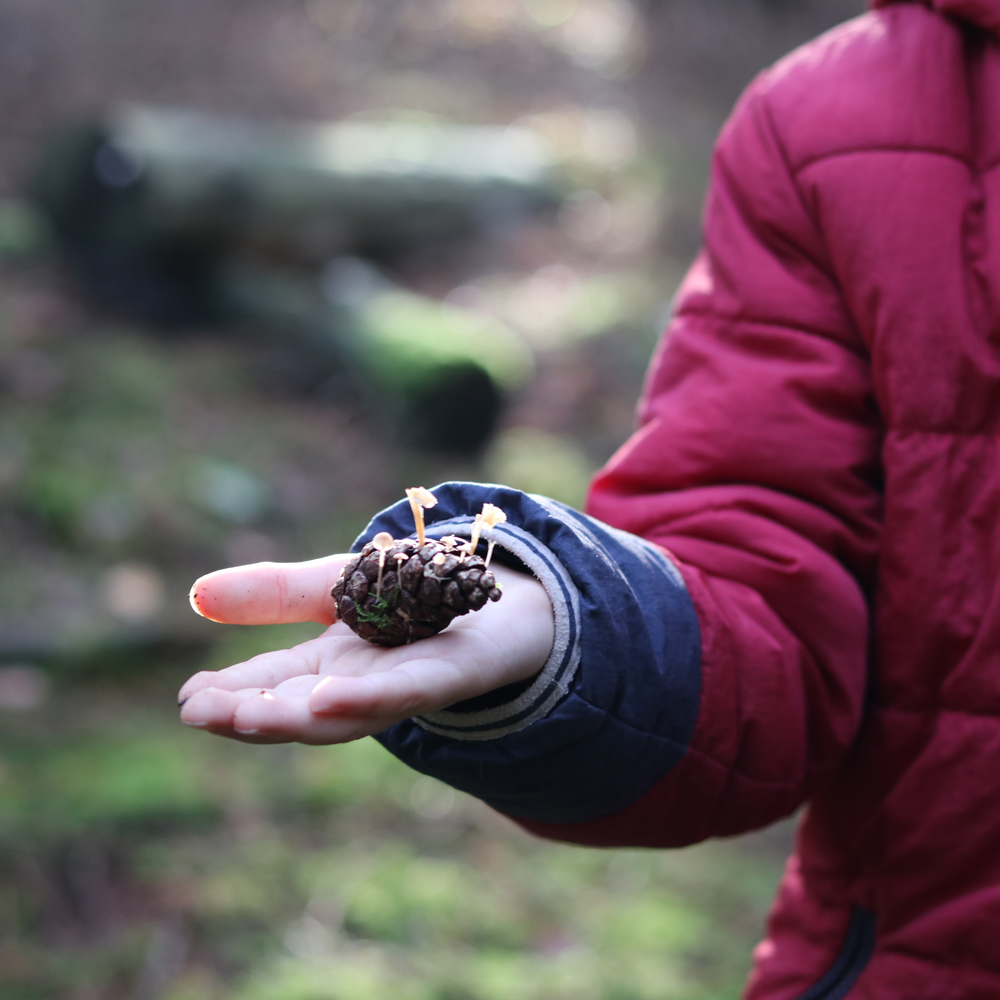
x,y
338,687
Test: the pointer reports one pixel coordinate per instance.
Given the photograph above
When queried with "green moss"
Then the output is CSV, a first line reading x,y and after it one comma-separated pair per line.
x,y
379,613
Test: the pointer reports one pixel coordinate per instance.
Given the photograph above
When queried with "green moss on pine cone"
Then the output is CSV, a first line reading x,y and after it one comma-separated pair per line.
x,y
424,587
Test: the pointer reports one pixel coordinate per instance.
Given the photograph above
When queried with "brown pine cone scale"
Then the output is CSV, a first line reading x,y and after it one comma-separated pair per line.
x,y
424,587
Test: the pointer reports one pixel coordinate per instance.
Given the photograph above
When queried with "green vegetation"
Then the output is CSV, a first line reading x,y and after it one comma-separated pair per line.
x,y
379,614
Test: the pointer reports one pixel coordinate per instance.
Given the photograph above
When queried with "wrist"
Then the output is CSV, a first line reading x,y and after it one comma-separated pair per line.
x,y
526,636
536,633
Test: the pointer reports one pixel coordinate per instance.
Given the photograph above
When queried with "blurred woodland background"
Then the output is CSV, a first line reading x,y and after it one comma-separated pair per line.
x,y
193,377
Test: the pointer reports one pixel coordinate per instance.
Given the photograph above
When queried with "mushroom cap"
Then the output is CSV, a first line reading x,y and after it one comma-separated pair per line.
x,y
383,541
491,515
422,496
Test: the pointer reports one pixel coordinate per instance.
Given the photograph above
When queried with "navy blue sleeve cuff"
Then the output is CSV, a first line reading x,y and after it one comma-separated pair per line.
x,y
615,706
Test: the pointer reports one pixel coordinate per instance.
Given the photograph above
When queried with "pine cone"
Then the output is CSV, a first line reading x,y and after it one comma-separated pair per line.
x,y
423,588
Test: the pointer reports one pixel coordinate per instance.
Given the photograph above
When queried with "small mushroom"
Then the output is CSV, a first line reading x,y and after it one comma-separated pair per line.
x,y
420,499
489,517
383,541
492,516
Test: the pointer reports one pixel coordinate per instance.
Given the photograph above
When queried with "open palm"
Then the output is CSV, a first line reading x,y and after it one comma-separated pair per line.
x,y
337,687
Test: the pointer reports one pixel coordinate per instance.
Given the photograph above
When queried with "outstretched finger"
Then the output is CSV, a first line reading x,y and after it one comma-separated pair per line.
x,y
255,716
270,593
268,670
214,709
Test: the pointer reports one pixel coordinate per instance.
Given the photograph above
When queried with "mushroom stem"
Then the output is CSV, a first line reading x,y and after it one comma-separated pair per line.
x,y
383,542
418,519
420,498
489,552
477,527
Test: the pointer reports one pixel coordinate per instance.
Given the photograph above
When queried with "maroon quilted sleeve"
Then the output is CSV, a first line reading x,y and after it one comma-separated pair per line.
x,y
756,466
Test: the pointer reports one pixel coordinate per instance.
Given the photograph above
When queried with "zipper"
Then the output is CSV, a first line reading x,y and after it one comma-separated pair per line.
x,y
855,952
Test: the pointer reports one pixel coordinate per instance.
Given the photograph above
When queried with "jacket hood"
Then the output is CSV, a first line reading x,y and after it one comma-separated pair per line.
x,y
985,13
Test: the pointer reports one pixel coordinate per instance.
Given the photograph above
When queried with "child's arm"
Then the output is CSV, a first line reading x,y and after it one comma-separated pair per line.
x,y
758,465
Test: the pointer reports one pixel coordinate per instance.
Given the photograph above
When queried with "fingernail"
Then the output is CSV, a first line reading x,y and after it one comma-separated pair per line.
x,y
193,724
245,732
191,601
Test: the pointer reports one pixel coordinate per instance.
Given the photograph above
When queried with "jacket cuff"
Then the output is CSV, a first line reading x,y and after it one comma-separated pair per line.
x,y
615,705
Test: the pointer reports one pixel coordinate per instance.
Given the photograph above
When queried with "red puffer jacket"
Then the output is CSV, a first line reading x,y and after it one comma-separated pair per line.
x,y
820,449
